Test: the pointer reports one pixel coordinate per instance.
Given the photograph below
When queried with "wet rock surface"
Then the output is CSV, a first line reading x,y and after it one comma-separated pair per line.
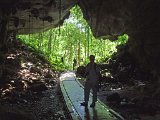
x,y
29,87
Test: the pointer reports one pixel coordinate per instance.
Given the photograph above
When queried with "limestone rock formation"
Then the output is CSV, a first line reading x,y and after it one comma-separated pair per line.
x,y
30,16
139,19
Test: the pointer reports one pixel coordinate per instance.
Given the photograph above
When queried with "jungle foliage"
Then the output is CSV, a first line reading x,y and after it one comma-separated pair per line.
x,y
73,40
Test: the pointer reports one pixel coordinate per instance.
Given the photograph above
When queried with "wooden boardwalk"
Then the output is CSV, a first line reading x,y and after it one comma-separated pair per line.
x,y
73,93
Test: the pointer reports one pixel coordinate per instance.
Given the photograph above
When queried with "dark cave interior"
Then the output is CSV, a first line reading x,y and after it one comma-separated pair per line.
x,y
107,19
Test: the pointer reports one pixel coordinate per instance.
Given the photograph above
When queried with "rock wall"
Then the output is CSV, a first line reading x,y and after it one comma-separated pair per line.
x,y
138,18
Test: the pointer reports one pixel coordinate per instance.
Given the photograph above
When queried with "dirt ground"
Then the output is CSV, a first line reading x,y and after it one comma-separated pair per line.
x,y
29,87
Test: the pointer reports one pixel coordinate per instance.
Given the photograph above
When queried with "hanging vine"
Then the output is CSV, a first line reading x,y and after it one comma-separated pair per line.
x,y
60,15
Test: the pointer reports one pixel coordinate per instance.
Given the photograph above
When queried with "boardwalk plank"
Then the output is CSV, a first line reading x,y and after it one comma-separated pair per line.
x,y
74,94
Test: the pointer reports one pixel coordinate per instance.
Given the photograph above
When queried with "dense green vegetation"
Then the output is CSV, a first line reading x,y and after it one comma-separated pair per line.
x,y
73,40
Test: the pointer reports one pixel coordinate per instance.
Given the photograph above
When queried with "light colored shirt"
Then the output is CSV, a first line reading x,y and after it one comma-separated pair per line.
x,y
92,69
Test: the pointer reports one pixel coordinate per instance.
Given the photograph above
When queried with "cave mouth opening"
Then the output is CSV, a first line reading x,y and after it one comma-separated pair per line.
x,y
72,41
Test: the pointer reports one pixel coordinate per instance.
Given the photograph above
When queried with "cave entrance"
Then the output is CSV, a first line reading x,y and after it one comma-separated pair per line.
x,y
70,44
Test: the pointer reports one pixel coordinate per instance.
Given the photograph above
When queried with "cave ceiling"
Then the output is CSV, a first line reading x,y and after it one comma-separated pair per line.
x,y
30,16
107,18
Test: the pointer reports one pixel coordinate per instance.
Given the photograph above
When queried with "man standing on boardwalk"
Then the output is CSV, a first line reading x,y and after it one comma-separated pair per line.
x,y
92,73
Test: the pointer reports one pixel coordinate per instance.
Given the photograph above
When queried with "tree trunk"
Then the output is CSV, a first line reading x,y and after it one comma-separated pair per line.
x,y
79,57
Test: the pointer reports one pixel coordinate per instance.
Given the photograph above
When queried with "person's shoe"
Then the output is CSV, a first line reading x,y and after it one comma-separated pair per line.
x,y
93,105
84,104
